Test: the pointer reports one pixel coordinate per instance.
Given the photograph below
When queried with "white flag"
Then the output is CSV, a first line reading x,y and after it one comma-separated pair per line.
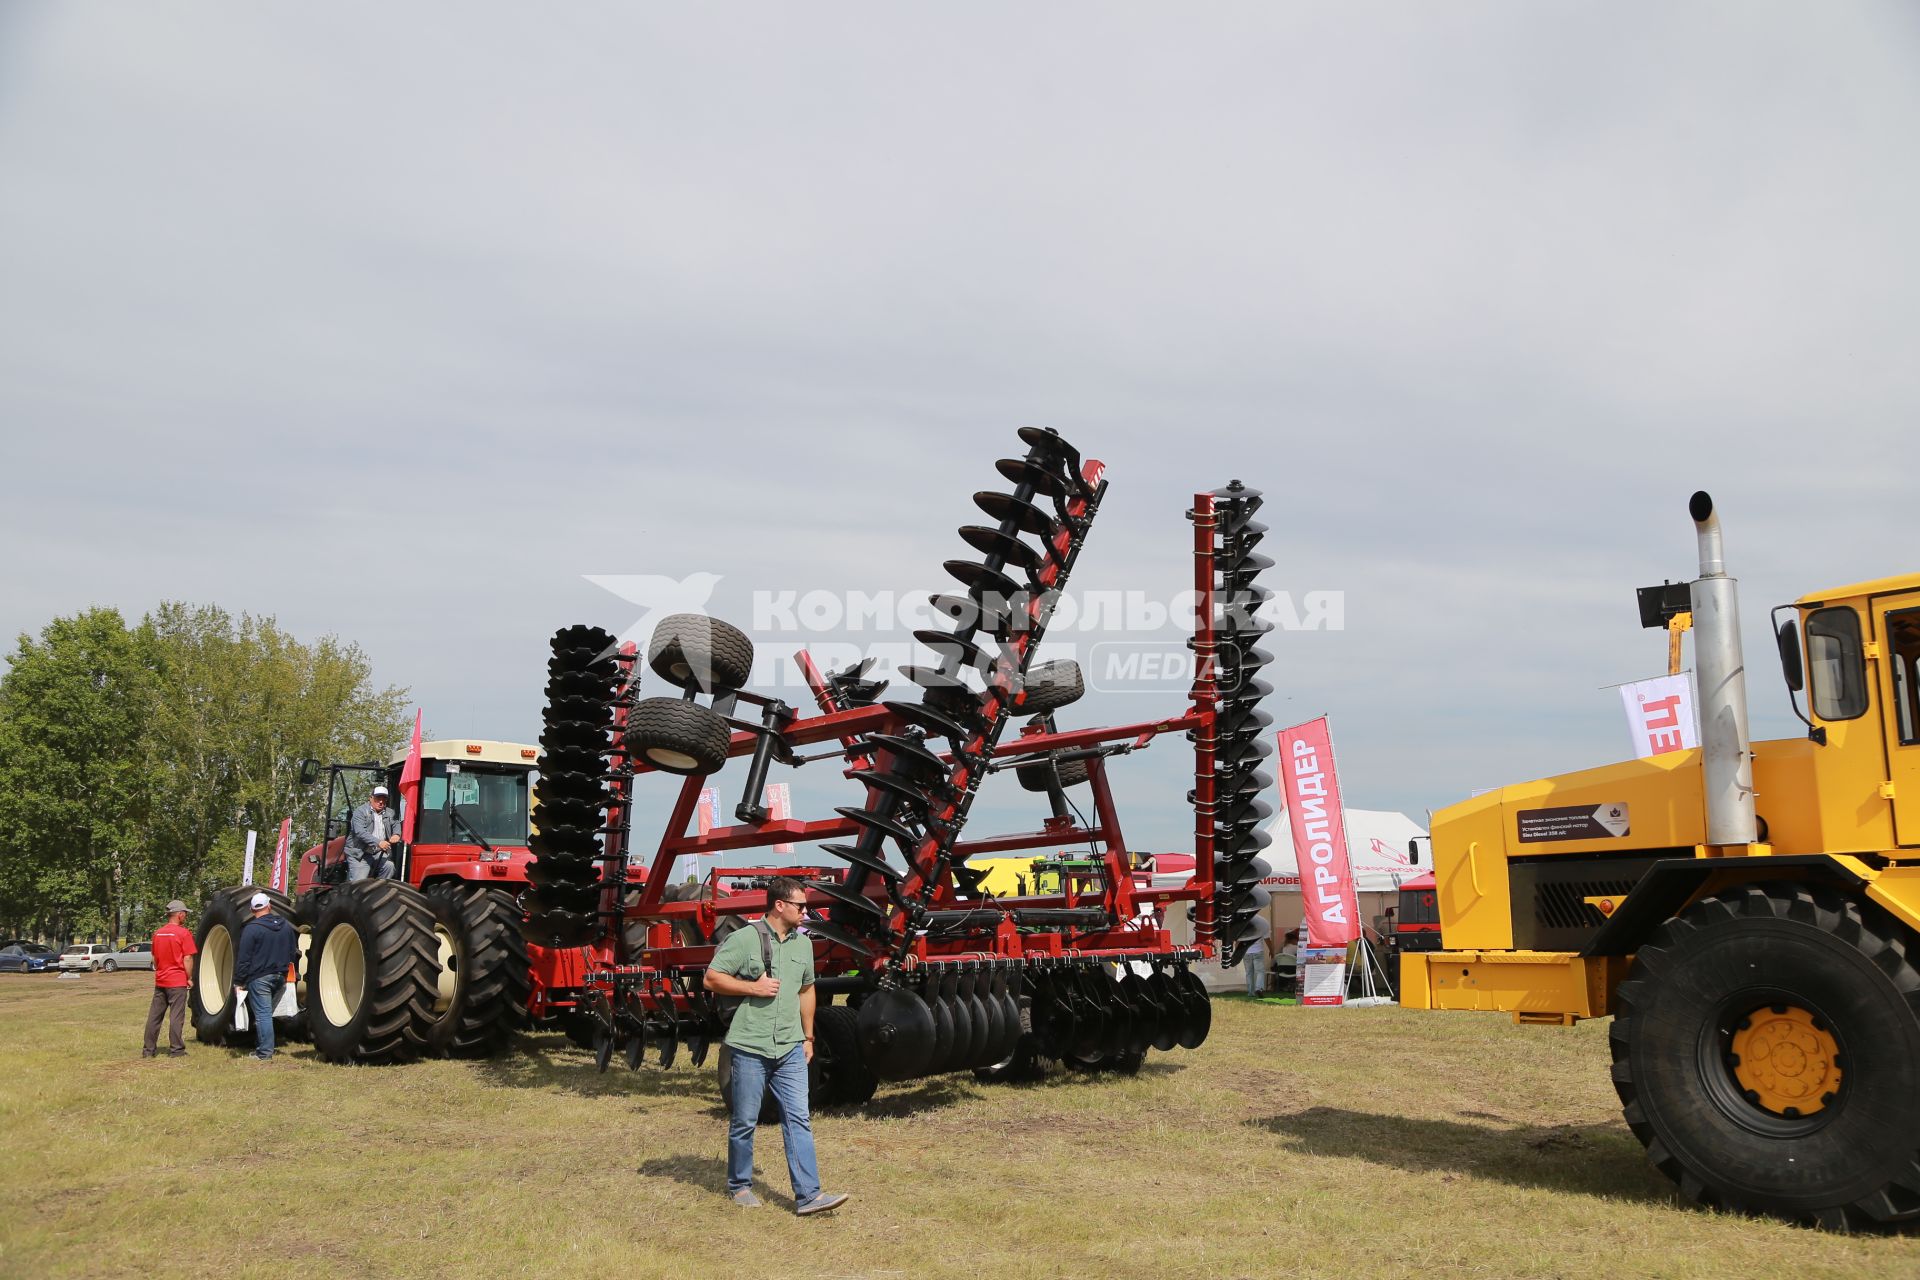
x,y
1660,715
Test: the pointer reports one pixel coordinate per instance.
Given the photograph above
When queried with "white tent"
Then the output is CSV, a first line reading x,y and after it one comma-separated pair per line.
x,y
1376,843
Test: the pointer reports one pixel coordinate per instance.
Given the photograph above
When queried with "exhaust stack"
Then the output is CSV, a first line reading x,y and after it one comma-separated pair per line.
x,y
1726,753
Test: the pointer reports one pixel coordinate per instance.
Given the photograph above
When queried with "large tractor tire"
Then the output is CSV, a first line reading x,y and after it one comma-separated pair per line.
x,y
838,1074
1766,1048
210,1000
481,978
371,983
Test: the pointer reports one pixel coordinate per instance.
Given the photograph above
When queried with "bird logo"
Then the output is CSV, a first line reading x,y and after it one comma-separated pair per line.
x,y
657,596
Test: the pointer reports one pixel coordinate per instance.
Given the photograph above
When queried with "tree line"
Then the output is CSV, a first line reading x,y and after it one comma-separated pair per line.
x,y
133,759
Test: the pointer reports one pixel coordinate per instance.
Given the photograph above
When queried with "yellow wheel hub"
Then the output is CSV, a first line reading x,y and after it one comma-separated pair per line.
x,y
1785,1063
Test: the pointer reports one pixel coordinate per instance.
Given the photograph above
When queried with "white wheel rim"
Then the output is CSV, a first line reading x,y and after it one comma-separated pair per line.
x,y
446,972
343,975
667,759
214,974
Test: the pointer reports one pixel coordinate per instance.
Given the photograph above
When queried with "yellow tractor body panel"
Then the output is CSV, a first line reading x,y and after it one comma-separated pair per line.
x,y
1898,890
478,749
1534,986
1470,873
1825,799
1898,584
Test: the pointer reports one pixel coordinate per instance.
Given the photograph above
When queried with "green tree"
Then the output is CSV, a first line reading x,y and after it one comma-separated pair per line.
x,y
75,706
244,703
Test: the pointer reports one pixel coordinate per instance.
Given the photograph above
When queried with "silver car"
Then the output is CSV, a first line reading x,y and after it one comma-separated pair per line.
x,y
137,956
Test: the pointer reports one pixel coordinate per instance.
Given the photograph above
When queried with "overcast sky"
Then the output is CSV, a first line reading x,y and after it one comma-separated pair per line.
x,y
396,322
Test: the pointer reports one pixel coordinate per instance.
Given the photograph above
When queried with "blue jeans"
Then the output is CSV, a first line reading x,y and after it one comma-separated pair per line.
x,y
1256,967
753,1075
262,995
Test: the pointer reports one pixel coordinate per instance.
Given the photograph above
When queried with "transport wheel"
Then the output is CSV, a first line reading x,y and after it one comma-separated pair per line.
x,y
1121,1064
1038,775
371,973
210,997
693,651
1025,1065
1766,1049
481,979
839,1075
1052,685
678,737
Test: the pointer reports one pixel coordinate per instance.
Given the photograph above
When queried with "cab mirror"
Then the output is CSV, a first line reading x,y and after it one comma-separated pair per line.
x,y
309,772
1789,638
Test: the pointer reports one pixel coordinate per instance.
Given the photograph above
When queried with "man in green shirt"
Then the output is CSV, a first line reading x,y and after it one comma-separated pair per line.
x,y
771,1040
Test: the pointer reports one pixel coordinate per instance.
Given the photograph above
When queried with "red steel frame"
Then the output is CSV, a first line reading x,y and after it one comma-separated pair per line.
x,y
560,975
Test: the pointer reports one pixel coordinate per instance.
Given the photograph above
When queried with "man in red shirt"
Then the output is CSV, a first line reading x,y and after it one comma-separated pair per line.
x,y
172,948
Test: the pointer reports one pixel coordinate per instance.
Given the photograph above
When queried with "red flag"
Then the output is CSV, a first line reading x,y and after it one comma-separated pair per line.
x,y
1319,834
410,781
280,850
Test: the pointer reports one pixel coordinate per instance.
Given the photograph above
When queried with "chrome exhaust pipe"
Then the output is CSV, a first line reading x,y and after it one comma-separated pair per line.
x,y
1721,674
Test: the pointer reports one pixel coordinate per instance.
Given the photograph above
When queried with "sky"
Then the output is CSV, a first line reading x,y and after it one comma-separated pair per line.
x,y
402,324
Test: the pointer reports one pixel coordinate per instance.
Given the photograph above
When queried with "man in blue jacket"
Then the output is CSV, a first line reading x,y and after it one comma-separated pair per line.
x,y
267,946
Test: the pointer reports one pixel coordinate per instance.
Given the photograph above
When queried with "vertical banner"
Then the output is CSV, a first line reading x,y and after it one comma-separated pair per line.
x,y
280,850
246,868
1660,715
1311,792
708,810
410,783
780,805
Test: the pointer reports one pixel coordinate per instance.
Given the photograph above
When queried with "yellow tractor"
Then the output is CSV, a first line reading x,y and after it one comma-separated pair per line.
x,y
1747,912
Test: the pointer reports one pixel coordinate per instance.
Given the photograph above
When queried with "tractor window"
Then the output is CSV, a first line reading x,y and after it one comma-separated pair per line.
x,y
490,801
1836,667
1903,640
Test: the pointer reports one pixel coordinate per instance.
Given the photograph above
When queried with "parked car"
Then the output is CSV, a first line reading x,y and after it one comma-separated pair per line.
x,y
85,955
18,959
137,956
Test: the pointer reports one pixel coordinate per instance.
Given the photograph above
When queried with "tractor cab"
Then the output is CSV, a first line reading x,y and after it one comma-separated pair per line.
x,y
473,819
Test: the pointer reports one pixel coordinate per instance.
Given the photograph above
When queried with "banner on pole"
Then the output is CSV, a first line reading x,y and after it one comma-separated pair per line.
x,y
280,851
1660,715
708,810
780,805
246,868
1311,791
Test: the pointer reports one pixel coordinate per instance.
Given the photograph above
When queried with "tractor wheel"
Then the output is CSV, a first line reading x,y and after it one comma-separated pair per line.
x,y
693,651
371,973
678,737
481,977
1766,1048
839,1074
1038,775
210,997
1051,686
769,1105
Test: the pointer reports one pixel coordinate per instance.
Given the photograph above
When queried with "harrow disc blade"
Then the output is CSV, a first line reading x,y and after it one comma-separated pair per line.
x,y
602,1049
911,752
669,1046
985,1024
857,902
1047,441
981,580
1040,479
896,1033
1003,995
1025,516
1170,1010
1244,815
879,822
956,651
697,1046
550,874
912,794
870,861
1240,870
960,1010
992,542
636,1052
1199,1019
933,677
1144,1011
824,929
942,1010
931,719
992,617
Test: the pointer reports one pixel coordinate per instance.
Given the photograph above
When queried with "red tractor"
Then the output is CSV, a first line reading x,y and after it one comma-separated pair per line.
x,y
921,971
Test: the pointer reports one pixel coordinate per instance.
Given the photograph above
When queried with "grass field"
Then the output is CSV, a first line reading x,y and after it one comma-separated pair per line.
x,y
1297,1142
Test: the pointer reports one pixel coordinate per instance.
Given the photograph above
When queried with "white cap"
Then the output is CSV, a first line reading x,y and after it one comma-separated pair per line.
x,y
379,791
259,901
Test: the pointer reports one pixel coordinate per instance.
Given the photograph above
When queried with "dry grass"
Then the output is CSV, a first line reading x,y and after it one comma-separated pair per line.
x,y
1296,1142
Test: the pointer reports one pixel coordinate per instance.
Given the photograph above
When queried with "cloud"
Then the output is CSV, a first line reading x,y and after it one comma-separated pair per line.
x,y
397,323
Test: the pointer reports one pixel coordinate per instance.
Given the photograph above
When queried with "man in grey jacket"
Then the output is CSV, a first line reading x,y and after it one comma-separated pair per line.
x,y
373,832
